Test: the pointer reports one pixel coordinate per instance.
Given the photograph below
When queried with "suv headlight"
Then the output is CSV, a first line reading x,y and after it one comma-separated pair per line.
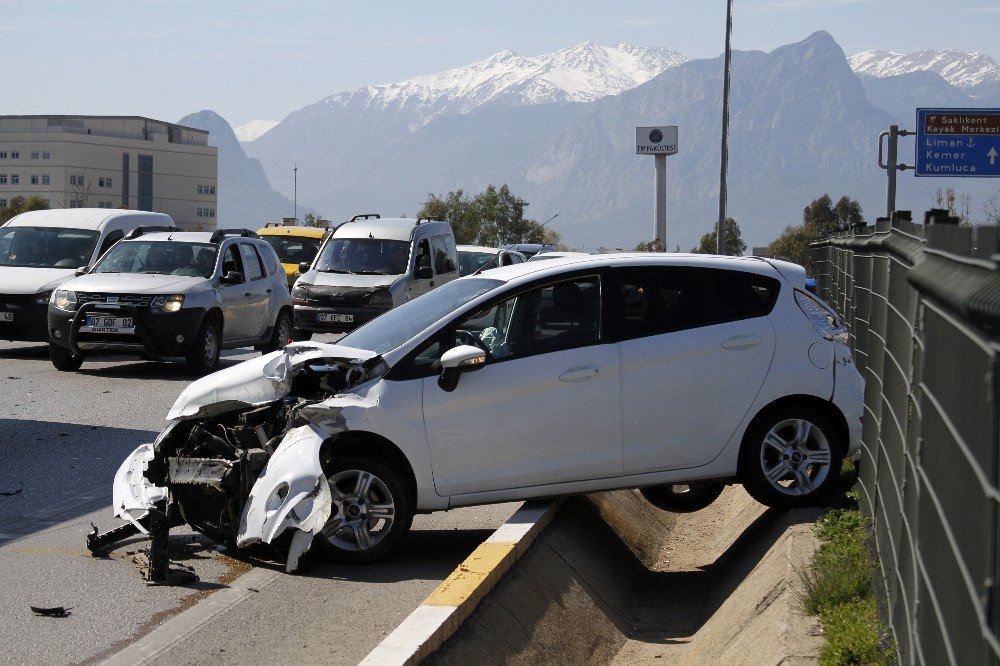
x,y
300,294
42,297
380,298
64,300
167,303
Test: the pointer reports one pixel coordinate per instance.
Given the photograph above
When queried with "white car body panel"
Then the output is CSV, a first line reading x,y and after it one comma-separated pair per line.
x,y
291,492
132,494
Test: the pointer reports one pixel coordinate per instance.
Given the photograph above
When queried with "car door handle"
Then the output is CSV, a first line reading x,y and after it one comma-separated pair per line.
x,y
268,291
580,374
742,342
432,283
247,294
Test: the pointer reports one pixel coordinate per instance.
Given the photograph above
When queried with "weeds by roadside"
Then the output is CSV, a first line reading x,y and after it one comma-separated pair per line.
x,y
837,585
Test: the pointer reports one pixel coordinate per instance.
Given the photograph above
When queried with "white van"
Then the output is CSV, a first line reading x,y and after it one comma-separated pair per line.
x,y
368,266
41,249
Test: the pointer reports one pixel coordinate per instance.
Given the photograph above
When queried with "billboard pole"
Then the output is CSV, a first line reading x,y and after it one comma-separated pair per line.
x,y
721,232
660,202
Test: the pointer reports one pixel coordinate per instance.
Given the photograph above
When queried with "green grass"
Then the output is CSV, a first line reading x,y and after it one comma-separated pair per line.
x,y
838,585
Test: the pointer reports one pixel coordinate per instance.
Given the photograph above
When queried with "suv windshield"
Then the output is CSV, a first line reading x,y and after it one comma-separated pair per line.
x,y
365,256
46,247
160,257
396,326
293,249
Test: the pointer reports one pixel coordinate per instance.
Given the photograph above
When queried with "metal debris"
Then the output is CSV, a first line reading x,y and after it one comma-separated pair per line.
x,y
54,611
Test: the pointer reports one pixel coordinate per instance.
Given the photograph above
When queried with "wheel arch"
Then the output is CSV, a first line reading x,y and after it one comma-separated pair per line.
x,y
214,314
359,442
826,408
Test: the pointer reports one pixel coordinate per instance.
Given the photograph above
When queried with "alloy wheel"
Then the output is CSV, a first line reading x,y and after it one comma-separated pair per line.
x,y
795,457
364,510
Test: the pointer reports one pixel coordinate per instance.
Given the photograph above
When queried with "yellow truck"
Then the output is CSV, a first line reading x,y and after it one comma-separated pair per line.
x,y
293,245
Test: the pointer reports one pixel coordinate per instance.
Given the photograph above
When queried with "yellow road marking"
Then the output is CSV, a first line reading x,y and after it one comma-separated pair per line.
x,y
489,560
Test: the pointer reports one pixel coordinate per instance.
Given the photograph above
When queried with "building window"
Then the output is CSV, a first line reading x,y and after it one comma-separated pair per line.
x,y
3,179
104,182
3,203
46,202
201,189
15,179
72,180
104,204
211,212
46,155
211,190
45,179
15,154
34,179
201,212
34,154
3,154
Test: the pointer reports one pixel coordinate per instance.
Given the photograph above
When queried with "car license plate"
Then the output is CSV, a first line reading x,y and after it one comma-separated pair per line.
x,y
342,318
6,316
105,324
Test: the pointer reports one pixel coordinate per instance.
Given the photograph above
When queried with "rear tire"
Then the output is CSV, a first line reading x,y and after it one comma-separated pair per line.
x,y
683,497
372,511
791,458
63,359
281,334
203,357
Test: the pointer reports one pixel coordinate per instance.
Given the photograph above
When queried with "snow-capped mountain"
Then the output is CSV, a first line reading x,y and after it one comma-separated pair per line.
x,y
253,129
580,73
959,68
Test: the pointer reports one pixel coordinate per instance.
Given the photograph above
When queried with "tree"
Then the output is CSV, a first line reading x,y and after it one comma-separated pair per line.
x,y
735,245
493,217
992,208
820,218
957,204
19,205
310,220
650,246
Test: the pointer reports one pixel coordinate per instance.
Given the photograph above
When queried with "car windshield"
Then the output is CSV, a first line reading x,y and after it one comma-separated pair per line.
x,y
364,256
46,247
293,249
396,326
159,257
470,262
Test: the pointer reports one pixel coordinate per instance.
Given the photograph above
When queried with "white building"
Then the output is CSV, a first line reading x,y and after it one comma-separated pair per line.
x,y
111,162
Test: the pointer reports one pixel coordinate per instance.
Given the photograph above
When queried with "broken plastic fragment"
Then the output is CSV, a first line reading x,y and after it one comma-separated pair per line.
x,y
54,611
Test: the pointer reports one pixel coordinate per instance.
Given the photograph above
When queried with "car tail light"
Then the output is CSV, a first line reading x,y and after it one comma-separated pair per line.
x,y
824,320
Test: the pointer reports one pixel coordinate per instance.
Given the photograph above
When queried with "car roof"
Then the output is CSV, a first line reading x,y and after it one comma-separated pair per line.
x,y
308,232
387,228
540,269
175,236
478,248
79,218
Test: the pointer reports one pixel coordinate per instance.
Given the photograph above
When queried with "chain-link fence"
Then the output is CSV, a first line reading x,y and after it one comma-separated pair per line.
x,y
922,302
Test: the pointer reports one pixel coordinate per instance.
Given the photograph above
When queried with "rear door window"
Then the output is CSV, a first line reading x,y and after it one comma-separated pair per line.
x,y
251,262
444,256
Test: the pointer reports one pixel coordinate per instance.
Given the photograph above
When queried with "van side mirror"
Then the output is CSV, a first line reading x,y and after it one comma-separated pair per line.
x,y
304,266
424,273
455,361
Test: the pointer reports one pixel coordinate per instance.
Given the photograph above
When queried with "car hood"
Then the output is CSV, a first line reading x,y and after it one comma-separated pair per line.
x,y
27,280
257,381
352,280
133,283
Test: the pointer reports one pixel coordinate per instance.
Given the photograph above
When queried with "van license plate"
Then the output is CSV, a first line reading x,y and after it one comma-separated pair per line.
x,y
104,324
6,316
342,318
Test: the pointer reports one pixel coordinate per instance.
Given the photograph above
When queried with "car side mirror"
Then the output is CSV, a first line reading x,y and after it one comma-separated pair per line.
x,y
232,277
82,270
304,266
424,273
457,360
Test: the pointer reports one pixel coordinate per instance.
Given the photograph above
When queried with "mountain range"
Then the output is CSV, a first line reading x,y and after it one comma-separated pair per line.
x,y
558,128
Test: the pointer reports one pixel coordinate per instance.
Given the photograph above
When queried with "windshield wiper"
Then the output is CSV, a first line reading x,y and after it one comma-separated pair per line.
x,y
334,270
154,273
372,273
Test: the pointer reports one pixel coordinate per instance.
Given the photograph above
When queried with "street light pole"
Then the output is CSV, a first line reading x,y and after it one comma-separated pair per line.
x,y
721,232
295,193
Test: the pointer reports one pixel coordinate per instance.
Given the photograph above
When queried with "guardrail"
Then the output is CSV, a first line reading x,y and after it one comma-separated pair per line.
x,y
922,302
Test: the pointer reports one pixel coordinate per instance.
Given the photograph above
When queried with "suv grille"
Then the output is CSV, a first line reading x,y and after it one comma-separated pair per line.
x,y
138,301
338,295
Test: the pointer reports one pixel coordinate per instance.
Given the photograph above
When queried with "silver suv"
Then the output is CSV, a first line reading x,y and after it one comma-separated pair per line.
x,y
161,293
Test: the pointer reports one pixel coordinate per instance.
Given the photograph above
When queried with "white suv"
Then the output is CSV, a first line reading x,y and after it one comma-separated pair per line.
x,y
675,374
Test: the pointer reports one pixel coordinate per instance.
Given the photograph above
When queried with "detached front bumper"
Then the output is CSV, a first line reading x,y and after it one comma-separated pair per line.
x,y
22,319
307,317
156,334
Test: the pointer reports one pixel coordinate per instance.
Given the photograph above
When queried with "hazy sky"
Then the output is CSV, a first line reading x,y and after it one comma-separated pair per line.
x,y
261,60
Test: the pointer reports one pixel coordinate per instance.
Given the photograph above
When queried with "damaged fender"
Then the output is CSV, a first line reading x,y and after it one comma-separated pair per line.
x,y
133,495
292,491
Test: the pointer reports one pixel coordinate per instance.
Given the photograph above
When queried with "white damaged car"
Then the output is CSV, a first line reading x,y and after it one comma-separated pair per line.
x,y
674,374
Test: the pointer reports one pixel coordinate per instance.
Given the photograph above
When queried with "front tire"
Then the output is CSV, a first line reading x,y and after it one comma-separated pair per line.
x,y
372,511
791,458
63,359
203,357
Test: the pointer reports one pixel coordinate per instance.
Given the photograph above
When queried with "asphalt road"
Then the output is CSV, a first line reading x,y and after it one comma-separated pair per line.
x,y
63,436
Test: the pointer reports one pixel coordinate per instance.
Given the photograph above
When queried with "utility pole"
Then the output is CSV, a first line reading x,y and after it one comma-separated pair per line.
x,y
721,233
891,165
295,193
